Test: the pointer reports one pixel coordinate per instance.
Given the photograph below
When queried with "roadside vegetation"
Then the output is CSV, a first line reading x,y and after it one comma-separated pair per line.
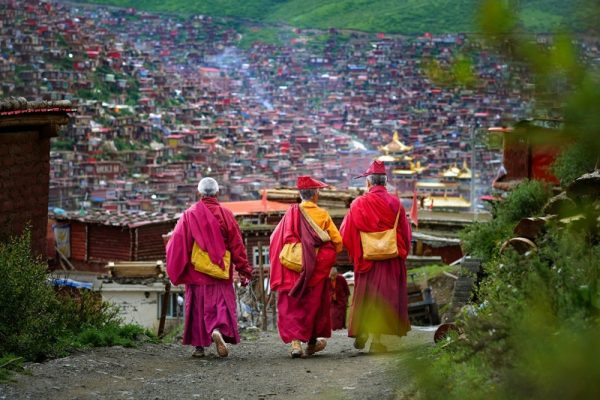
x,y
38,322
531,330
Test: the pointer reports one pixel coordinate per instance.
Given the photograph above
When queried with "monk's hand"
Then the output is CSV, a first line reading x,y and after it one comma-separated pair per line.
x,y
166,237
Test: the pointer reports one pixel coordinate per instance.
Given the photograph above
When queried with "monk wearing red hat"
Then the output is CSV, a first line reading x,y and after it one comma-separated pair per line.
x,y
380,301
303,249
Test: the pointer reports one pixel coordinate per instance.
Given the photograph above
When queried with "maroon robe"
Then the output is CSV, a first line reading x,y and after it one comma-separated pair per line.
x,y
209,302
339,302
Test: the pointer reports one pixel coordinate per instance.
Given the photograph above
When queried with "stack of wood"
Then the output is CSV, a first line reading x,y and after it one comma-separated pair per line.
x,y
327,198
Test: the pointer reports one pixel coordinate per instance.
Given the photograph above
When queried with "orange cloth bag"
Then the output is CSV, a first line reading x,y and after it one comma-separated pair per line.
x,y
381,245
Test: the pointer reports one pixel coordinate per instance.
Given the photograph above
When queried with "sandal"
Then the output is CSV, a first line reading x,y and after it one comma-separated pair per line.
x,y
296,350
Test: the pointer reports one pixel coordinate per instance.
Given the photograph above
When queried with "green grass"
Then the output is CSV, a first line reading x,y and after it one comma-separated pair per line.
x,y
8,365
112,334
264,35
393,16
432,271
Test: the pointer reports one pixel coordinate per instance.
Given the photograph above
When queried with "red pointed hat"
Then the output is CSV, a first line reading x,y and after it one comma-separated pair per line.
x,y
306,182
376,168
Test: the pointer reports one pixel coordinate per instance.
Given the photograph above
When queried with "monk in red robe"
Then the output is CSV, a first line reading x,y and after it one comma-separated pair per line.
x,y
380,300
303,299
210,306
339,299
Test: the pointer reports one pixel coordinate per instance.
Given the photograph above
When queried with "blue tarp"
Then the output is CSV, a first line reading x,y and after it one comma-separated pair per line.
x,y
71,283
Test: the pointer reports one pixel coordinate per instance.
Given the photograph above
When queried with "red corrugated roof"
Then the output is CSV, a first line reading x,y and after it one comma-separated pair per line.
x,y
254,206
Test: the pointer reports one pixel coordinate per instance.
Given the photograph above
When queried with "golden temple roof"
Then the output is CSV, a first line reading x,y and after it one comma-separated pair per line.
x,y
414,168
395,146
455,172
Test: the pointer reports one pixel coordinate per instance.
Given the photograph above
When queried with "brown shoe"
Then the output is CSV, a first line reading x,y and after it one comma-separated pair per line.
x,y
315,348
220,344
198,352
296,350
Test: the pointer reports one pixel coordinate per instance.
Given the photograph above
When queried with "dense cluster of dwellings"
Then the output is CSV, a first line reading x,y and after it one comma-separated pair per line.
x,y
162,101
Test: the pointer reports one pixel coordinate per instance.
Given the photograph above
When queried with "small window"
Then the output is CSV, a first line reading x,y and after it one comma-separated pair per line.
x,y
265,256
175,305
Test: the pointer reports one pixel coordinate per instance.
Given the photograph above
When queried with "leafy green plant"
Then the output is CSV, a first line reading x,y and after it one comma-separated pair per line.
x,y
534,333
483,240
38,322
575,161
28,321
86,309
526,200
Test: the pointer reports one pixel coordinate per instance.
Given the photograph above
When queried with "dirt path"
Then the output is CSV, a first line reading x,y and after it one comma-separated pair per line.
x,y
259,368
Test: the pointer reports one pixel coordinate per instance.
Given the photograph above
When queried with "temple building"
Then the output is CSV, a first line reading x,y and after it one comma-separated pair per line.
x,y
460,178
395,147
404,170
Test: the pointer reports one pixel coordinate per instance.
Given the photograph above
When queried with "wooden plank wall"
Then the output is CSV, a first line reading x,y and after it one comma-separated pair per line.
x,y
148,242
78,239
109,243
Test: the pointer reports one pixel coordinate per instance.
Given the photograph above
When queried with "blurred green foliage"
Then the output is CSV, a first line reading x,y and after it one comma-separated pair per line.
x,y
533,333
565,86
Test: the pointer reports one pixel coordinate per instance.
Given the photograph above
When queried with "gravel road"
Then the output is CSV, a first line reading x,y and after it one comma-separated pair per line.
x,y
258,368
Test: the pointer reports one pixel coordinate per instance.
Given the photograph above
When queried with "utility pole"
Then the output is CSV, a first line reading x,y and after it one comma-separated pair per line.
x,y
472,194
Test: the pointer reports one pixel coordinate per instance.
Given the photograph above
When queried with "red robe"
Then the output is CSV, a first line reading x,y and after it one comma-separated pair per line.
x,y
380,301
302,315
339,302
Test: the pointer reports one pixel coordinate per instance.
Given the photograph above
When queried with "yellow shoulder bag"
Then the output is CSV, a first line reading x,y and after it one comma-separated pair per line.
x,y
291,253
291,256
202,263
382,245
